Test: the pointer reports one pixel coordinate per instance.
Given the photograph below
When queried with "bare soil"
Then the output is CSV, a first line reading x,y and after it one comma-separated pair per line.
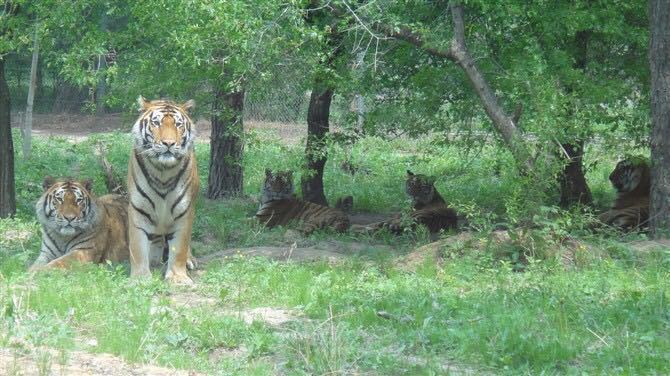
x,y
77,126
44,361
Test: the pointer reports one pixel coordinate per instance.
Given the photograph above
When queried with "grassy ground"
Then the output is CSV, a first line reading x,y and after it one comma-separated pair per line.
x,y
512,308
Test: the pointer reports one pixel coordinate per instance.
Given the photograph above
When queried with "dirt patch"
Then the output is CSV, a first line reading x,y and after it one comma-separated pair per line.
x,y
17,235
77,127
328,250
431,252
220,353
74,363
191,299
284,253
268,315
650,245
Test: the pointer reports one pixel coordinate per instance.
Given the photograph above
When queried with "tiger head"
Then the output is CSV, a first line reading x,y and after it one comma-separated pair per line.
x,y
164,131
66,206
630,174
420,188
277,186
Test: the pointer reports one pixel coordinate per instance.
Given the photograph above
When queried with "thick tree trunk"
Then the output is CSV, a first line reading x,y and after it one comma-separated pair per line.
x,y
318,116
573,186
227,144
7,193
659,58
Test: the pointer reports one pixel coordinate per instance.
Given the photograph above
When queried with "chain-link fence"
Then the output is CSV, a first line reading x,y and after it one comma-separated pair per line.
x,y
283,98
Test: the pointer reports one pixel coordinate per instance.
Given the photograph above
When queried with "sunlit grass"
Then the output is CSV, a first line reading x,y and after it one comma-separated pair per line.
x,y
474,312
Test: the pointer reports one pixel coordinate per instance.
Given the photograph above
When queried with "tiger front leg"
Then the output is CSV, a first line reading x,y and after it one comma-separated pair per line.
x,y
140,249
180,253
78,256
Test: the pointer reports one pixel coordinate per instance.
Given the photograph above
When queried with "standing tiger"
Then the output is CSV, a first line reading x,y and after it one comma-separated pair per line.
x,y
428,208
279,206
632,180
162,187
78,227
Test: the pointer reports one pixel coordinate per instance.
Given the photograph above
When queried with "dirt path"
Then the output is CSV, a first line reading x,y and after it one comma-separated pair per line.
x,y
76,363
77,127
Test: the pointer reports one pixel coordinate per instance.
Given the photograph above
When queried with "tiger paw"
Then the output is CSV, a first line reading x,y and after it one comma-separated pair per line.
x,y
192,263
178,278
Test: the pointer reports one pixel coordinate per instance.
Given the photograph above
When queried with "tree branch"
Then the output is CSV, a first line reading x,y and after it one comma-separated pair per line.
x,y
459,54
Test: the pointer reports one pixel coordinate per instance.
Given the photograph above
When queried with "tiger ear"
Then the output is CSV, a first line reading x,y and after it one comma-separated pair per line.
x,y
88,184
142,103
432,179
410,173
289,173
268,173
188,105
48,182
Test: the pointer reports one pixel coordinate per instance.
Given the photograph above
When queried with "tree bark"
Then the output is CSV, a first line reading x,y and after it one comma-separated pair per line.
x,y
27,130
659,58
101,67
7,190
458,53
318,115
573,186
227,145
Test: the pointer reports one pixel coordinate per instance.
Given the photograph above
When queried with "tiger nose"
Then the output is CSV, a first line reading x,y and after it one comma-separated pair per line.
x,y
70,217
169,143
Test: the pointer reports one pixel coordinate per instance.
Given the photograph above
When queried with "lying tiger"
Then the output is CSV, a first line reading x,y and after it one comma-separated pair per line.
x,y
632,180
78,227
279,206
428,208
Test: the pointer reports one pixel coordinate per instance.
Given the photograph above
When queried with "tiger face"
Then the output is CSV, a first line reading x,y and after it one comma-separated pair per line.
x,y
278,185
66,206
164,131
420,188
627,175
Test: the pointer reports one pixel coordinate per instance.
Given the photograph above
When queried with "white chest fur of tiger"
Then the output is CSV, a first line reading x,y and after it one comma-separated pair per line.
x,y
162,188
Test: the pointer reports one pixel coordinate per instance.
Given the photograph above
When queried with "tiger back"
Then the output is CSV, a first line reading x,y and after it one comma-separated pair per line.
x,y
162,186
280,207
632,180
79,227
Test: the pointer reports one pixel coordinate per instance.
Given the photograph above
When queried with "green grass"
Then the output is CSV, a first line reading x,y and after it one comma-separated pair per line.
x,y
474,312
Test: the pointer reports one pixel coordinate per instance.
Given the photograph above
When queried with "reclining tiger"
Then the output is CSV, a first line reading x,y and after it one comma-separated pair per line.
x,y
79,227
632,180
428,209
279,206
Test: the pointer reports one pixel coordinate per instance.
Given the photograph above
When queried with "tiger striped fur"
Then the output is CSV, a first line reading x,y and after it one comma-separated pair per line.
x,y
632,180
428,208
162,186
78,227
279,207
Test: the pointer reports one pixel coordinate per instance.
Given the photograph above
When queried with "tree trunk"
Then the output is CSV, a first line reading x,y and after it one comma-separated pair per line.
x,y
503,123
7,193
227,144
659,58
101,67
573,186
318,114
27,130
